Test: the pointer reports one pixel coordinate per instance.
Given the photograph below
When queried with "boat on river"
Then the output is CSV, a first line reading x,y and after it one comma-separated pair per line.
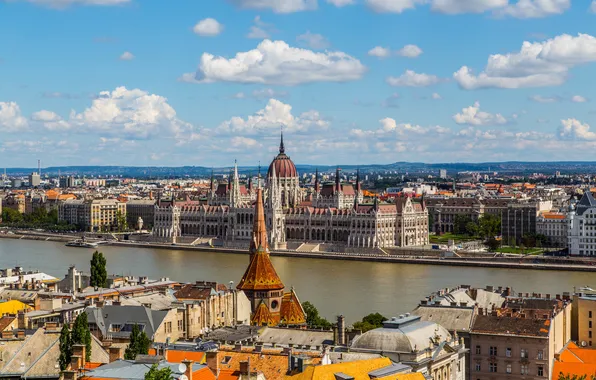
x,y
80,243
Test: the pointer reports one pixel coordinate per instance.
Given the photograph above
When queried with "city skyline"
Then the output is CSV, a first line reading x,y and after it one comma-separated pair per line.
x,y
125,82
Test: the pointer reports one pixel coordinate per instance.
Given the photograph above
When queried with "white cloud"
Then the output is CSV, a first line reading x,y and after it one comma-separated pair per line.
x,y
410,51
578,99
66,3
313,40
265,93
45,115
537,64
244,142
576,130
341,3
473,116
135,114
275,62
11,119
379,52
258,33
413,79
278,6
127,56
436,96
467,6
593,6
208,27
274,115
390,127
535,8
393,6
545,99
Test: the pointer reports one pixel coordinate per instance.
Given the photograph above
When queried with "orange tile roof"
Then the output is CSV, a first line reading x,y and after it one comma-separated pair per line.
x,y
177,356
272,366
553,215
203,374
573,369
263,317
292,312
359,370
573,360
228,374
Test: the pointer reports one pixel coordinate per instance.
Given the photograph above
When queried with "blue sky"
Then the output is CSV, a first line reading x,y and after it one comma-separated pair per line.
x,y
152,82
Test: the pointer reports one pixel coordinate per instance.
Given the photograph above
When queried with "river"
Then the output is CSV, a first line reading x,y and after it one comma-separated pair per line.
x,y
351,288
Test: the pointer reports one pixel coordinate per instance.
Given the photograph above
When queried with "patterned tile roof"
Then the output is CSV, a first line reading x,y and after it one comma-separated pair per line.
x,y
292,312
263,317
260,274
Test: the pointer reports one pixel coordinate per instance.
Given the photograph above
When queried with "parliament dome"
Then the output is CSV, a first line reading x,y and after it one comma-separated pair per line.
x,y
284,167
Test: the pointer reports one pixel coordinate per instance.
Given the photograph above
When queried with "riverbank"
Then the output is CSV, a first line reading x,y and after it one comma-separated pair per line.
x,y
408,257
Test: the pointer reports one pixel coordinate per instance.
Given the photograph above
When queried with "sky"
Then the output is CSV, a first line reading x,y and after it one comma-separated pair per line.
x,y
208,82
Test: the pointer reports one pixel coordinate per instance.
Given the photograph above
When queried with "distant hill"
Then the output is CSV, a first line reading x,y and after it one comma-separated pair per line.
x,y
510,167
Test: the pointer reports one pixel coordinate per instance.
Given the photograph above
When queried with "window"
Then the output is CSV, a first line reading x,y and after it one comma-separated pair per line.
x,y
508,368
478,367
492,367
478,350
540,354
524,369
523,353
590,314
540,370
180,325
493,351
508,352
590,334
589,324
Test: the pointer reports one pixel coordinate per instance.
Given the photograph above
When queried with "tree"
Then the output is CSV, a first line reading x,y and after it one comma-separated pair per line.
x,y
99,275
575,377
313,319
81,334
472,228
65,348
489,226
121,221
159,374
10,215
370,322
492,244
139,344
460,223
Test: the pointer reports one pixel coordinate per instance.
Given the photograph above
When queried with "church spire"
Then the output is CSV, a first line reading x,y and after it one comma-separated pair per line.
x,y
358,180
282,149
317,186
259,229
337,181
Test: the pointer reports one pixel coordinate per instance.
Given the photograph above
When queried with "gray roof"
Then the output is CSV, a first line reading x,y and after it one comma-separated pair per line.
x,y
157,301
125,316
235,334
587,201
409,336
452,318
285,336
129,369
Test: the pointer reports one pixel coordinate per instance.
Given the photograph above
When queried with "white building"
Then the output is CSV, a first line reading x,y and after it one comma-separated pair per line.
x,y
553,225
582,226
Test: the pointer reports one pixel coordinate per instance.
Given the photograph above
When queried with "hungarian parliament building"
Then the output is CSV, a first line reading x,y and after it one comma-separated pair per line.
x,y
332,215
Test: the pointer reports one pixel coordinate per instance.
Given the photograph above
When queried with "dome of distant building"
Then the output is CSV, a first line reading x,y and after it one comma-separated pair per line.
x,y
284,167
403,334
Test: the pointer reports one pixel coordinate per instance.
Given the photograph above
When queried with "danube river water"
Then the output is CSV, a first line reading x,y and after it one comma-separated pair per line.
x,y
336,287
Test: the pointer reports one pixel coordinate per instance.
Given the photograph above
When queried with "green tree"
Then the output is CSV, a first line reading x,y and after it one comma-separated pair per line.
x,y
313,319
460,223
99,274
489,225
10,215
65,348
492,244
121,221
472,228
563,376
159,374
370,322
139,344
81,334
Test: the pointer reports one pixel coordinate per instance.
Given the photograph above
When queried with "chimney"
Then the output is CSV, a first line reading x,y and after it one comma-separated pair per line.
x,y
75,362
341,330
115,353
7,334
238,347
69,375
21,334
244,369
423,302
189,371
79,350
212,362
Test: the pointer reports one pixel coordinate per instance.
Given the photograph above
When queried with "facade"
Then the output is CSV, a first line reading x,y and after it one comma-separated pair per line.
x,y
271,306
34,179
520,339
334,214
140,208
582,226
92,215
584,314
553,225
425,346
517,221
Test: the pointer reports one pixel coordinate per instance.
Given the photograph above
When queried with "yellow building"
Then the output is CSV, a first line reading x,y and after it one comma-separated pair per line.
x,y
584,318
356,370
13,307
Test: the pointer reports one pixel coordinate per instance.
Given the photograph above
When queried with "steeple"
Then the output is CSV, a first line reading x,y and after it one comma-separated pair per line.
x,y
250,182
358,180
317,186
236,187
337,182
211,184
282,149
259,229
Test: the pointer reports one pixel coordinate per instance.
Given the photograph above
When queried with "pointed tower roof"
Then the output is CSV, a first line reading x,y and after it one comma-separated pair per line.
x,y
260,274
259,229
317,185
292,312
262,316
282,148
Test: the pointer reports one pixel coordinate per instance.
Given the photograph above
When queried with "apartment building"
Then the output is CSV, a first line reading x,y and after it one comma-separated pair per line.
x,y
584,318
92,215
520,339
582,226
553,225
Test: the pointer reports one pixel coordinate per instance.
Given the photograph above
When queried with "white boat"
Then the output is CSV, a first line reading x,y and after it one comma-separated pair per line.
x,y
80,243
